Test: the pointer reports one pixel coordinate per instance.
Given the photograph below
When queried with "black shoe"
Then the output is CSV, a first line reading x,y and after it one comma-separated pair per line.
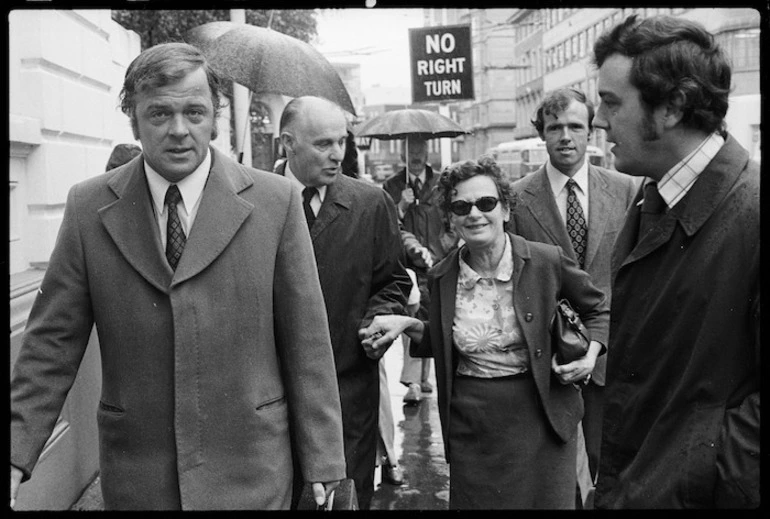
x,y
392,474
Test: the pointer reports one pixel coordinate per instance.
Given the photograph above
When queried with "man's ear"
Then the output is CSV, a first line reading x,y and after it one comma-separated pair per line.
x,y
287,141
674,109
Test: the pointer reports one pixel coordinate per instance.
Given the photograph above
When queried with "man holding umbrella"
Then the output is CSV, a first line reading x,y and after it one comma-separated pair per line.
x,y
355,234
413,189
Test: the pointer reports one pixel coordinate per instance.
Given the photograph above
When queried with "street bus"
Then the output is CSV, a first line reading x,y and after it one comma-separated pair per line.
x,y
524,156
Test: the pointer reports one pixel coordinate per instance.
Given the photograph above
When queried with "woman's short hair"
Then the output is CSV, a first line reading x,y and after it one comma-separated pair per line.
x,y
162,65
673,57
464,170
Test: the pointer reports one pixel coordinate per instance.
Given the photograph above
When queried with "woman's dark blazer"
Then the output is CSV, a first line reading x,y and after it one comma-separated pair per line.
x,y
542,274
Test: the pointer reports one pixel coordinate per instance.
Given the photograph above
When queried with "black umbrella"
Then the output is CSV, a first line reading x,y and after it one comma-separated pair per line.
x,y
409,122
400,124
266,61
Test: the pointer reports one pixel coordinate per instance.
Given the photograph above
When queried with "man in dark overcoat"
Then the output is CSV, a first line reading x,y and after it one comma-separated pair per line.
x,y
357,246
681,416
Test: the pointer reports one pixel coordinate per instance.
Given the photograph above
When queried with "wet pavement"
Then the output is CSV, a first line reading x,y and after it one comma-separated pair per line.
x,y
418,445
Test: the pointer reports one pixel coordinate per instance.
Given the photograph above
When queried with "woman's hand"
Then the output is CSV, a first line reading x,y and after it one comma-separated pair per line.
x,y
384,329
578,370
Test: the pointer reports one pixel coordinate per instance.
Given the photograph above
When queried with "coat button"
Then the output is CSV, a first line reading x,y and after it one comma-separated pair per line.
x,y
538,353
528,317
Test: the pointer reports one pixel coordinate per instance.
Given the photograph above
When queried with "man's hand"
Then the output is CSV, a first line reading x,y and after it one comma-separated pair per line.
x,y
420,256
373,346
407,199
16,475
321,491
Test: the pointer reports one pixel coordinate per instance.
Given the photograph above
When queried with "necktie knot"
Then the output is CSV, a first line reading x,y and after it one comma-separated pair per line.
x,y
653,202
173,196
308,193
417,185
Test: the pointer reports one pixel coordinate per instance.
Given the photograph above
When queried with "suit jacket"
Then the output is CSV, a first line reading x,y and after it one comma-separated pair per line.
x,y
542,274
357,248
681,417
425,220
536,217
206,371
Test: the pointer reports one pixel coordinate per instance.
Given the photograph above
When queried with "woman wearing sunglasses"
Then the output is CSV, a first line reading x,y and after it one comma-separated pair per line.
x,y
509,413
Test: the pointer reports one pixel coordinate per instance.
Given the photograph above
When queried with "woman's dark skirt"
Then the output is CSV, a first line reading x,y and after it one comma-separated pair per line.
x,y
503,452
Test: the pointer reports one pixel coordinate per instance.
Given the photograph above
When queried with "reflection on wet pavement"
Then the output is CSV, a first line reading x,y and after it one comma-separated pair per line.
x,y
419,446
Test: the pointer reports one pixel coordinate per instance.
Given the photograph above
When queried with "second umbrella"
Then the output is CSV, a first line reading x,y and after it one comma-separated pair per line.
x,y
266,61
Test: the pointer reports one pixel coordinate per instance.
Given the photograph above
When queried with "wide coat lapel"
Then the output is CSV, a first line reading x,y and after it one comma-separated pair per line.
x,y
691,212
337,200
127,221
600,208
541,204
448,295
220,214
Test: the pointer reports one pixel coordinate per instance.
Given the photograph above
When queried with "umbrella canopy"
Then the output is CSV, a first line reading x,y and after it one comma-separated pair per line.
x,y
266,61
399,124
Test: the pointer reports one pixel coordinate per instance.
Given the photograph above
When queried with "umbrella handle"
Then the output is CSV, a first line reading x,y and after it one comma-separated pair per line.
x,y
246,126
406,152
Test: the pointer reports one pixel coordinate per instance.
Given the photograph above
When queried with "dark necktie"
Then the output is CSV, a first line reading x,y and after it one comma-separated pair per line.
x,y
416,188
653,207
576,223
175,238
307,194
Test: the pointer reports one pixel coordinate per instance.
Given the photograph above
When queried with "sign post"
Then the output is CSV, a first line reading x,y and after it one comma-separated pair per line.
x,y
442,69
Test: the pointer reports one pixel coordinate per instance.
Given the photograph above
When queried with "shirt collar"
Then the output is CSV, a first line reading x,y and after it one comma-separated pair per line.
x,y
678,180
468,277
290,175
190,187
558,180
411,178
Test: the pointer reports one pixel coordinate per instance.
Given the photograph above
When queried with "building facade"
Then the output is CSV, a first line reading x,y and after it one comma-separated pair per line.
x,y
520,54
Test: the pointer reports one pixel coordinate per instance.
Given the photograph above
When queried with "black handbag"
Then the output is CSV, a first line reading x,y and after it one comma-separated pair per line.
x,y
569,337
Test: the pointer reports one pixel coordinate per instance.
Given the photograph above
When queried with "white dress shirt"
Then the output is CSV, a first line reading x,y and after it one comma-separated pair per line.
x,y
191,189
318,198
558,181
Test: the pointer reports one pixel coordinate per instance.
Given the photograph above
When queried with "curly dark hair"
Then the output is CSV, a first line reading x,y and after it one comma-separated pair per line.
x,y
463,170
162,65
673,57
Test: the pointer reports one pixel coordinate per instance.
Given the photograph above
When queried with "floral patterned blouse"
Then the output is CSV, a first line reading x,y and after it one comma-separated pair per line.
x,y
486,331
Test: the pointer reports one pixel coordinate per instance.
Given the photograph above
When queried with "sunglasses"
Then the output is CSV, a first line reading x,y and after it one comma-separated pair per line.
x,y
462,208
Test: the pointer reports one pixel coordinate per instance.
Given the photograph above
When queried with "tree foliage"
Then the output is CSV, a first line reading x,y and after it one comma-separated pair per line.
x,y
156,26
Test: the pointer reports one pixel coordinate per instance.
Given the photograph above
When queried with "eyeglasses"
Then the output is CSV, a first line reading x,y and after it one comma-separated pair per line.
x,y
462,208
